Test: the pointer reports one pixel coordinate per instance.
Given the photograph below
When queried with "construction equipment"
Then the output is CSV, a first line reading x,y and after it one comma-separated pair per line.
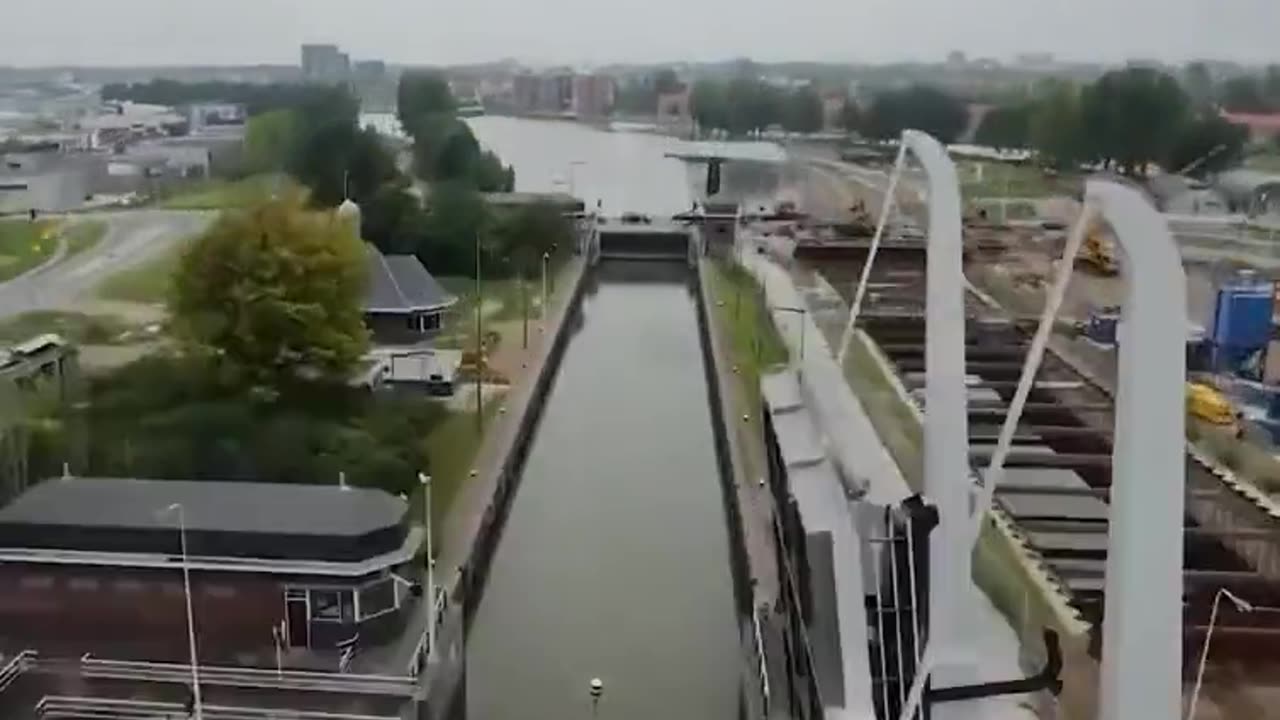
x,y
1098,252
1206,403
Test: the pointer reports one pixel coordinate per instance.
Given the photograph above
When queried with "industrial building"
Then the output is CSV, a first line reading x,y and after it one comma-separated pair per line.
x,y
325,64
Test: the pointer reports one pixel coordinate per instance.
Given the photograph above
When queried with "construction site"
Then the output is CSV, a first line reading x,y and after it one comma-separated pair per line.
x,y
1054,499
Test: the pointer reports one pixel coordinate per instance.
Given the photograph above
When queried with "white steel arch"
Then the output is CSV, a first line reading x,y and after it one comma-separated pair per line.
x,y
1142,630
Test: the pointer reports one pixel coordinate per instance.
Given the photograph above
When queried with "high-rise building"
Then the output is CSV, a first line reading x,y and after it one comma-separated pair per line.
x,y
325,64
592,95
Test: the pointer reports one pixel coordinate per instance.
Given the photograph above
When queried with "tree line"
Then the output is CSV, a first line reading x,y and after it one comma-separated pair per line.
x,y
744,105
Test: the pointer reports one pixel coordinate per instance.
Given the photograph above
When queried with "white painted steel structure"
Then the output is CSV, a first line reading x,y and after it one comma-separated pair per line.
x,y
1142,633
946,423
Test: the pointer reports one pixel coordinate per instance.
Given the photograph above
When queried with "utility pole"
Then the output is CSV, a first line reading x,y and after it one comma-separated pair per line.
x,y
480,361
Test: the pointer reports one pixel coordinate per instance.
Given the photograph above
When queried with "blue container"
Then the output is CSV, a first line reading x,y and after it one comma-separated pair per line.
x,y
1242,316
1102,326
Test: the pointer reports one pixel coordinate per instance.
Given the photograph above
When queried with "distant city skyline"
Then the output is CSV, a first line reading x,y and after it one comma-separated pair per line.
x,y
598,32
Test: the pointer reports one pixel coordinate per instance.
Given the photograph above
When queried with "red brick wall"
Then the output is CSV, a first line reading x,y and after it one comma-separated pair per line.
x,y
119,612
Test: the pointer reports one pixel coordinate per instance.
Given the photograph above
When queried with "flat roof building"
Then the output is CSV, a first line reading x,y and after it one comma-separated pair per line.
x,y
95,565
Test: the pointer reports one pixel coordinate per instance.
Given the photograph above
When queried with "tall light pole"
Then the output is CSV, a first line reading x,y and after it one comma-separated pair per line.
x,y
597,689
546,257
191,627
1241,606
480,362
425,481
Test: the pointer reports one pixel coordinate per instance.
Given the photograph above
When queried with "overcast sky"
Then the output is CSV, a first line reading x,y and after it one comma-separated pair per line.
x,y
124,32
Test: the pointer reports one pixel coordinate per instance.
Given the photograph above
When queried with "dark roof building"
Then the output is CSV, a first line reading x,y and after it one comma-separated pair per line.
x,y
403,302
308,566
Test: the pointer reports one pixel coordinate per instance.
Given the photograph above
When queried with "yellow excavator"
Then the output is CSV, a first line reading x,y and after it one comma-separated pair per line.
x,y
1099,253
1207,403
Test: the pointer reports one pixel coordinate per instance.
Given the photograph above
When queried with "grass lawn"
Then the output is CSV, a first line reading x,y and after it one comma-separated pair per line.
x,y
1008,180
76,327
220,194
452,446
24,245
502,303
752,341
147,282
85,235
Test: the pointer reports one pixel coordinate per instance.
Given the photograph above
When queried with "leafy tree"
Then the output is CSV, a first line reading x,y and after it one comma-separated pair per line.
x,y
1132,117
803,111
269,140
273,294
1244,94
1271,86
1006,126
666,81
393,219
1198,83
456,216
336,151
1207,145
1056,132
753,105
918,107
709,103
422,93
524,233
851,118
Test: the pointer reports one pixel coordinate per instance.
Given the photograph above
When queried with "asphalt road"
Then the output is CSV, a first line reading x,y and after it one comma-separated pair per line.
x,y
132,237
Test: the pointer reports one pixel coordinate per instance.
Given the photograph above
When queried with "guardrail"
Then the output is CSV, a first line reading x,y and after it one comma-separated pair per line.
x,y
52,707
303,680
17,665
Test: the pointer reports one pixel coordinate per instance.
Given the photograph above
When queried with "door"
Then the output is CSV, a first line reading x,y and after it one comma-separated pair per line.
x,y
296,622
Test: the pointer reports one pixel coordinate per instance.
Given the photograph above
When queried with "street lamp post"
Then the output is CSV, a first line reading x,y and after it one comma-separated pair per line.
x,y
425,480
597,690
480,362
191,627
546,257
1241,606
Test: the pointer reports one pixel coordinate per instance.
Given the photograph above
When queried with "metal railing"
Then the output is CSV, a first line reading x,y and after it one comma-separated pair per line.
x,y
17,665
52,707
303,680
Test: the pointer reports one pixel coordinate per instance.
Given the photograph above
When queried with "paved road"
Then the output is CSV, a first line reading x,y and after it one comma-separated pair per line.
x,y
132,237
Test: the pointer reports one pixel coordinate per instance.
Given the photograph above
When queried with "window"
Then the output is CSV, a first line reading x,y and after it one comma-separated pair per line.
x,y
220,591
377,597
431,321
82,584
128,585
36,582
332,606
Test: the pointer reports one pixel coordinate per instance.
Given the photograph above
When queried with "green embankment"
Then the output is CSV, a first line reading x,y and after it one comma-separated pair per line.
x,y
24,245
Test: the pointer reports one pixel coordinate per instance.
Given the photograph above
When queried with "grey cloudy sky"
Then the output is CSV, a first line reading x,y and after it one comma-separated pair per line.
x,y
122,32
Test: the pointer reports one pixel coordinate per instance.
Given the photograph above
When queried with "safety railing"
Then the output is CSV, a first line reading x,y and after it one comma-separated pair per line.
x,y
53,707
302,680
14,668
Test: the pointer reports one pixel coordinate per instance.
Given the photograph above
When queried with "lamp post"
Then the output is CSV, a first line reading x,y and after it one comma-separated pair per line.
x,y
546,257
191,627
480,362
801,312
1241,606
425,480
597,690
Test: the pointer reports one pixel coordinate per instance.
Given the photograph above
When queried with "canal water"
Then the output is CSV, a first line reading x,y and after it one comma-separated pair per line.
x,y
615,559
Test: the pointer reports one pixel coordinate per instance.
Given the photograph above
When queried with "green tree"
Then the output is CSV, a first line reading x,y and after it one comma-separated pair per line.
x,y
524,233
269,141
1244,94
456,216
1198,83
393,219
851,117
1206,145
919,107
709,104
422,93
803,111
1056,132
272,295
1271,86
753,105
1132,117
1006,126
